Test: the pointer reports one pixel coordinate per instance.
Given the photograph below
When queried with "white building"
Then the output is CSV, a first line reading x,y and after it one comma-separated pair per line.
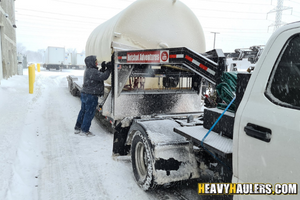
x,y
8,51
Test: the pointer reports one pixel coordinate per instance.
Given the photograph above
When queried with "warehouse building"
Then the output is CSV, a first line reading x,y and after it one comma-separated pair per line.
x,y
8,51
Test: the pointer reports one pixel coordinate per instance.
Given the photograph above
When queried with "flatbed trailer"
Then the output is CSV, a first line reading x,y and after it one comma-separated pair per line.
x,y
159,121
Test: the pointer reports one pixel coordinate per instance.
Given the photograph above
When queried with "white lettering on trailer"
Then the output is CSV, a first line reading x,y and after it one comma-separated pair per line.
x,y
133,57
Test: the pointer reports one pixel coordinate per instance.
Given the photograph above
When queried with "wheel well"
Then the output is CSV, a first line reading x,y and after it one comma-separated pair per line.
x,y
130,136
133,128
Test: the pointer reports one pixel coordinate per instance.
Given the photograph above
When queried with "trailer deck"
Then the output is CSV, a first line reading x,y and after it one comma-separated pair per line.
x,y
214,141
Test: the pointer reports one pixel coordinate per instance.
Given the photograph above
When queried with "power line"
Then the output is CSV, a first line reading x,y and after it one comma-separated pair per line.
x,y
82,4
56,28
51,35
79,28
234,2
221,17
229,11
107,19
293,15
294,1
240,32
53,24
61,14
232,28
61,19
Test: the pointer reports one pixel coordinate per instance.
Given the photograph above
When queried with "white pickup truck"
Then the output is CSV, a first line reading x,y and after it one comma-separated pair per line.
x,y
266,129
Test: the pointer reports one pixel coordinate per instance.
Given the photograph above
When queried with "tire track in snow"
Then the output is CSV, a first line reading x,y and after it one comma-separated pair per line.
x,y
79,168
69,181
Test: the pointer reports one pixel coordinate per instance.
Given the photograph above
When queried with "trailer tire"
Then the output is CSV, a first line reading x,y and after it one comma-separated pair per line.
x,y
74,92
142,160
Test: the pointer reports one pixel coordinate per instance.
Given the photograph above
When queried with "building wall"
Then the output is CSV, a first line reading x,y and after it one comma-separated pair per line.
x,y
8,39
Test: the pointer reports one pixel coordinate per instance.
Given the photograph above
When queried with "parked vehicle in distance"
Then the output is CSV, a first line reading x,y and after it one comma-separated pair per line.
x,y
54,58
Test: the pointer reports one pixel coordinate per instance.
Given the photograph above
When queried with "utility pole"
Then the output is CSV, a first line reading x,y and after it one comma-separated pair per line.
x,y
278,10
215,33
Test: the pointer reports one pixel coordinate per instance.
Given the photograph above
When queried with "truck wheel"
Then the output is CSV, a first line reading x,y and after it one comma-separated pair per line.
x,y
142,160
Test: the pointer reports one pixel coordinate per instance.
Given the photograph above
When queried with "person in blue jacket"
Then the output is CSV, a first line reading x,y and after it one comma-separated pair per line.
x,y
93,86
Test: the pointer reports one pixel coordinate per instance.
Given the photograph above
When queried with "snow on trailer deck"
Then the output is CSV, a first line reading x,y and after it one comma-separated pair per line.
x,y
41,158
214,141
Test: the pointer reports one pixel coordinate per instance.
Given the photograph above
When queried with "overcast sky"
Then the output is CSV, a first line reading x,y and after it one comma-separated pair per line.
x,y
68,23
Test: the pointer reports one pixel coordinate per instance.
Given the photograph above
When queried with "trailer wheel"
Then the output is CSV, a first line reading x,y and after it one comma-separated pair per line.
x,y
142,160
74,92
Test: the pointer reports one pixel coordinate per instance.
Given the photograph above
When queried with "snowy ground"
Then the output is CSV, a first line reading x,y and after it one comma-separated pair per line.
x,y
42,159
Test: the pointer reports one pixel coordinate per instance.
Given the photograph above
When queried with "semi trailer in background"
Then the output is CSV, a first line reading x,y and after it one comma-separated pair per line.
x,y
57,58
68,60
54,58
77,61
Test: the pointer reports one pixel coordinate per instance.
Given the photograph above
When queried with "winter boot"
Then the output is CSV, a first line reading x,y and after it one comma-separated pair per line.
x,y
89,134
77,130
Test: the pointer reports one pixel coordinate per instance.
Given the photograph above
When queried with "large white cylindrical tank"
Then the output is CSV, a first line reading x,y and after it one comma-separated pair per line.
x,y
148,24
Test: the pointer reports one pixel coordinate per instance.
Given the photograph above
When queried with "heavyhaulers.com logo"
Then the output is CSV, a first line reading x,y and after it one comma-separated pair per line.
x,y
247,189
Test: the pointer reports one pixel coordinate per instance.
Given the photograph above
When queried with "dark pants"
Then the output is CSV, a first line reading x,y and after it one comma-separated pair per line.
x,y
87,112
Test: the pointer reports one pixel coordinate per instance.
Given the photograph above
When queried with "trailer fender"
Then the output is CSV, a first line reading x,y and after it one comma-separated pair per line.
x,y
168,157
71,85
120,147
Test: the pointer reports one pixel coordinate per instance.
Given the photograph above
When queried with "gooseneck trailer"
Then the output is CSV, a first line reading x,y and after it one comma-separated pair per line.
x,y
145,118
159,84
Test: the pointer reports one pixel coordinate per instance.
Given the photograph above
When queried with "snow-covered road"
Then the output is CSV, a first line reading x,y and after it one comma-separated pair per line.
x,y
42,159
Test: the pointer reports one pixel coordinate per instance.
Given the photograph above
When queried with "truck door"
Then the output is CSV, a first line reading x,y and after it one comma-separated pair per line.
x,y
267,126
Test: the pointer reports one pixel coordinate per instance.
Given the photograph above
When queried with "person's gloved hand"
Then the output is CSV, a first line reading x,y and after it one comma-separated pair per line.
x,y
103,66
109,66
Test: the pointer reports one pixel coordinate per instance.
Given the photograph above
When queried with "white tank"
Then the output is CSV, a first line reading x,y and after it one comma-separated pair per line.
x,y
148,24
